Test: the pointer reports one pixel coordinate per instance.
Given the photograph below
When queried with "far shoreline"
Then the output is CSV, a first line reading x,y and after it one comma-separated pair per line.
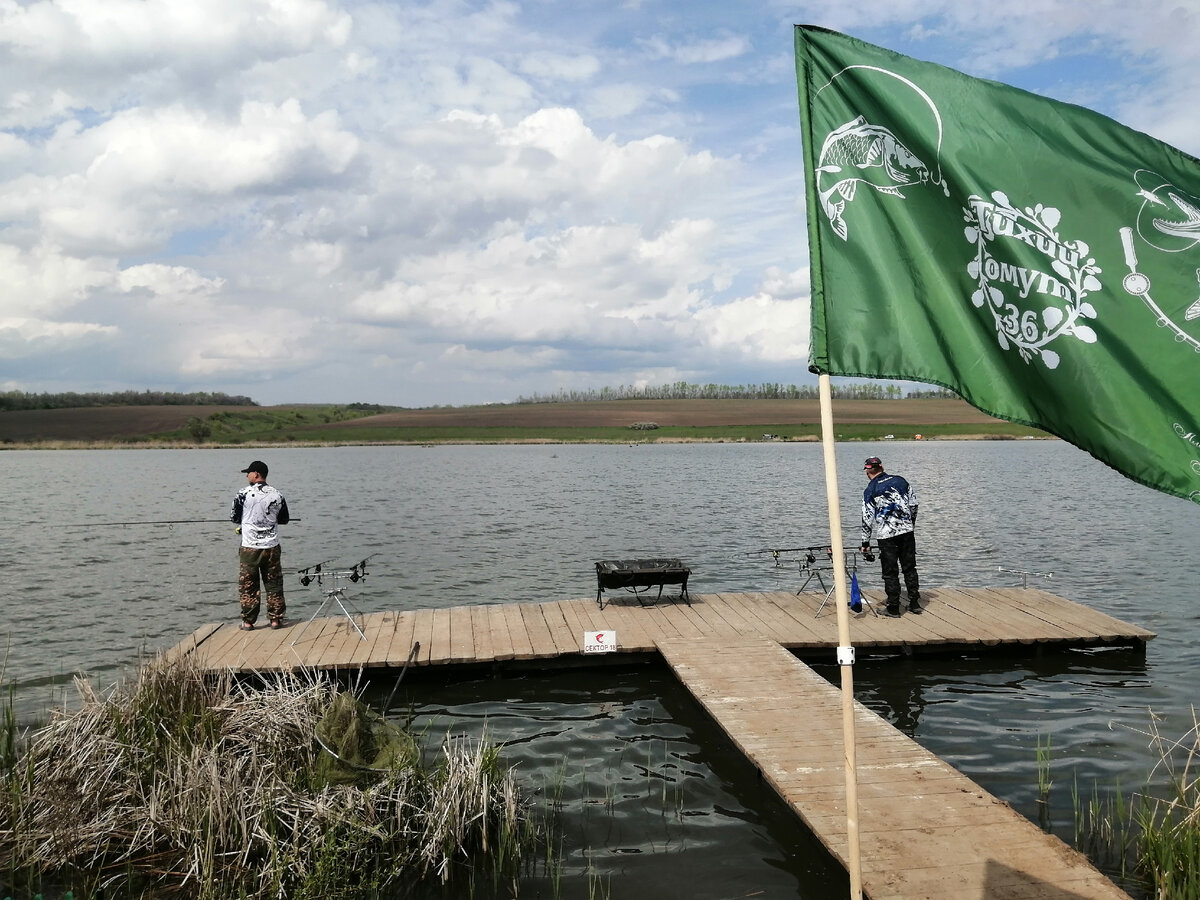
x,y
463,442
600,422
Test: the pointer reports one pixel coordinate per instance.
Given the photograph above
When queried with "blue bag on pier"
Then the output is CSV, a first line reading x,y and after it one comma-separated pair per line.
x,y
855,593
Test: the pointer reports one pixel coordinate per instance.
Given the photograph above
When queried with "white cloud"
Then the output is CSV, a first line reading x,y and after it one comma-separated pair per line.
x,y
760,327
560,67
17,333
267,144
129,182
708,50
614,101
469,200
167,281
79,54
43,281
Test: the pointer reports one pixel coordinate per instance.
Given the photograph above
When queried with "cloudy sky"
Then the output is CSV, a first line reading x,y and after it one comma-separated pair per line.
x,y
437,202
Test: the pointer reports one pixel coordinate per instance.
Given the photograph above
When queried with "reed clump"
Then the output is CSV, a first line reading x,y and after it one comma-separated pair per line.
x,y
1155,832
178,783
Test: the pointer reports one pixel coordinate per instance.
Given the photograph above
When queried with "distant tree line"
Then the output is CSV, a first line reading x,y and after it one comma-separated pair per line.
x,y
682,390
14,400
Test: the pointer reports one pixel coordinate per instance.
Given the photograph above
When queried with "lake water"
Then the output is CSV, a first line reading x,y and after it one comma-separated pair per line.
x,y
650,790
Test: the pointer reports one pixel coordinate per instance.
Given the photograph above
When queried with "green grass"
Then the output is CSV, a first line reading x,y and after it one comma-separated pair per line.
x,y
295,427
266,424
1154,834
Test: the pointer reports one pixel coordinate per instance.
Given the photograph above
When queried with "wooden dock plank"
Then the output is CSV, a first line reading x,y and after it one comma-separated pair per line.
x,y
191,642
632,635
439,639
710,615
653,623
997,614
733,611
753,684
682,617
806,632
309,638
757,619
566,639
1059,609
947,607
540,638
780,626
462,635
631,621
491,618
379,629
577,619
481,629
423,634
522,646
233,649
357,650
871,628
343,643
400,645
274,645
211,650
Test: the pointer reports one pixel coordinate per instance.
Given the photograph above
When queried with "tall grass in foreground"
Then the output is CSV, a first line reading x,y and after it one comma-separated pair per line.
x,y
1158,837
181,784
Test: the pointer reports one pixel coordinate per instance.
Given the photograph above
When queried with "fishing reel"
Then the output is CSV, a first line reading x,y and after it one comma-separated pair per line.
x,y
359,570
320,571
309,574
868,553
805,557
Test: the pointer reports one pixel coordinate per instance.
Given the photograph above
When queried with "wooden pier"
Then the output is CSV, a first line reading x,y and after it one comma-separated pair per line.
x,y
954,618
926,830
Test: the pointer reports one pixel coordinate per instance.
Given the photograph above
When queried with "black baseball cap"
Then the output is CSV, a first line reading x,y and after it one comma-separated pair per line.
x,y
257,466
872,462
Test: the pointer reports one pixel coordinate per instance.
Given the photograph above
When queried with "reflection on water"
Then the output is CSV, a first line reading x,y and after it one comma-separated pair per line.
x,y
652,800
464,525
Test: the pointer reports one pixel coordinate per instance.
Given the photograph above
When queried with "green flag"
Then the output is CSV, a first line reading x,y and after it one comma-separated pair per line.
x,y
1037,258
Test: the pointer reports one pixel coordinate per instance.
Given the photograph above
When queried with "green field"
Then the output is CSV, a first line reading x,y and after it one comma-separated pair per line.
x,y
600,422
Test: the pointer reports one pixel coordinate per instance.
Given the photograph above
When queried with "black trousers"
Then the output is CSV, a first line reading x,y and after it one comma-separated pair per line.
x,y
899,554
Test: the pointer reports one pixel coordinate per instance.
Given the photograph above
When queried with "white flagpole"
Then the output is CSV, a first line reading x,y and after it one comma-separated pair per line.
x,y
845,652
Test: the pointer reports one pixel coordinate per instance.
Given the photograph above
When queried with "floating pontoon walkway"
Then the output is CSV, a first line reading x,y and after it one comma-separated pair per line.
x,y
925,829
954,619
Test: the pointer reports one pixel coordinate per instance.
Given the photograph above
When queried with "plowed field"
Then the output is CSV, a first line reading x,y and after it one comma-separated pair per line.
x,y
124,423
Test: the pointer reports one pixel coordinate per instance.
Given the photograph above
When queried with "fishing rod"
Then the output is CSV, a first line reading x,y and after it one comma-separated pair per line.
x,y
318,571
153,522
810,552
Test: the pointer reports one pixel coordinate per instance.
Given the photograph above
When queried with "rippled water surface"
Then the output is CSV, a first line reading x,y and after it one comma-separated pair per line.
x,y
481,524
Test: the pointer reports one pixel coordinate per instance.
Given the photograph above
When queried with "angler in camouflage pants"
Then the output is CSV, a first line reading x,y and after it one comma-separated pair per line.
x,y
267,564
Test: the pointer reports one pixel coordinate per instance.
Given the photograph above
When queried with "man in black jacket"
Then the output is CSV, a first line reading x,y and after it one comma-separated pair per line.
x,y
889,509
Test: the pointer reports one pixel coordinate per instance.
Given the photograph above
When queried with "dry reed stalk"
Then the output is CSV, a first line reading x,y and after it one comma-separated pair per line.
x,y
209,787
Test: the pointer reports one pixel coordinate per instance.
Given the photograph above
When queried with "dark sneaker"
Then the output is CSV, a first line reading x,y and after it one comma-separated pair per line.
x,y
915,607
892,612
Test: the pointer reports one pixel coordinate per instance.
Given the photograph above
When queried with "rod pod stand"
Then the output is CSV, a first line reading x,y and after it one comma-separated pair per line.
x,y
335,595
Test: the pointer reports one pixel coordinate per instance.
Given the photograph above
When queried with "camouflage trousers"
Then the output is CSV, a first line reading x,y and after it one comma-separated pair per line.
x,y
265,564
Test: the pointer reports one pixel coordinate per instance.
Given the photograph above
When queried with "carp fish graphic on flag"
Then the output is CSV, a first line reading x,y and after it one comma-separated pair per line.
x,y
1037,258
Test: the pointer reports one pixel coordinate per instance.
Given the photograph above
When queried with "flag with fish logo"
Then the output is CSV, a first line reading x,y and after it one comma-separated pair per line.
x,y
1037,258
